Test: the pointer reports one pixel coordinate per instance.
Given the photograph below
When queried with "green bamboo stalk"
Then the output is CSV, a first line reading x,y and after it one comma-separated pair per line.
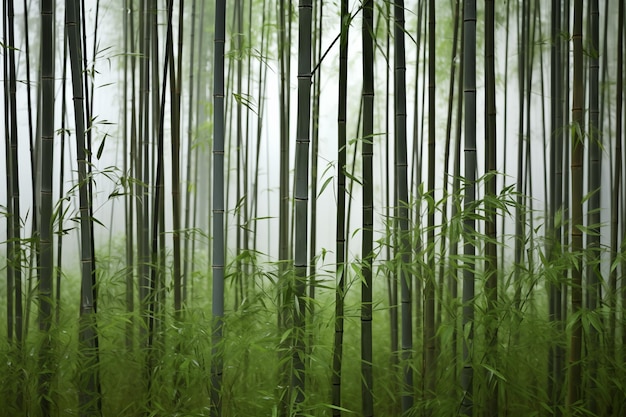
x,y
156,290
491,254
240,152
47,164
142,170
446,169
315,139
9,185
619,149
554,368
89,401
130,157
218,209
469,249
15,256
284,215
594,277
367,382
402,204
453,282
430,364
387,161
520,214
340,233
192,155
574,391
284,59
301,197
14,248
175,97
616,195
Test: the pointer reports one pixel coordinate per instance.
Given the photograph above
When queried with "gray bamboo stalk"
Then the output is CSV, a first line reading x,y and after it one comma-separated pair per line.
x,y
387,160
367,382
453,282
574,392
520,215
89,402
469,249
9,185
284,57
15,255
430,365
219,250
594,277
241,152
340,235
156,290
61,205
192,155
491,254
142,169
130,151
175,94
619,148
315,140
301,197
402,204
15,247
47,166
616,195
555,206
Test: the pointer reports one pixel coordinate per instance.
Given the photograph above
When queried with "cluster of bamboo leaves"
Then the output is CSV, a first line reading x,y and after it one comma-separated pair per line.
x,y
477,257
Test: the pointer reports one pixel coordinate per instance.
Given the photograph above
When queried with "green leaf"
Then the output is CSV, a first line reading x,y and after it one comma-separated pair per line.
x,y
101,147
328,181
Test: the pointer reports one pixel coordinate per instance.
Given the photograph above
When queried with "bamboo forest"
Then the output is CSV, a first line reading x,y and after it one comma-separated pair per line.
x,y
314,208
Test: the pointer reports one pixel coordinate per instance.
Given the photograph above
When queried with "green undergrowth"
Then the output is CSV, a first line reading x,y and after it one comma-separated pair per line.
x,y
173,377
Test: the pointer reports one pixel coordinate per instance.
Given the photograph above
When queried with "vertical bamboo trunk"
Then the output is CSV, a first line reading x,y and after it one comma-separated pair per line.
x,y
402,203
340,235
430,365
301,197
617,244
284,56
130,143
14,248
554,367
9,185
89,401
315,140
218,208
156,291
491,265
367,381
453,283
192,155
593,214
175,92
390,225
15,255
143,171
574,392
520,215
241,151
59,253
46,223
469,250
619,155
445,263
